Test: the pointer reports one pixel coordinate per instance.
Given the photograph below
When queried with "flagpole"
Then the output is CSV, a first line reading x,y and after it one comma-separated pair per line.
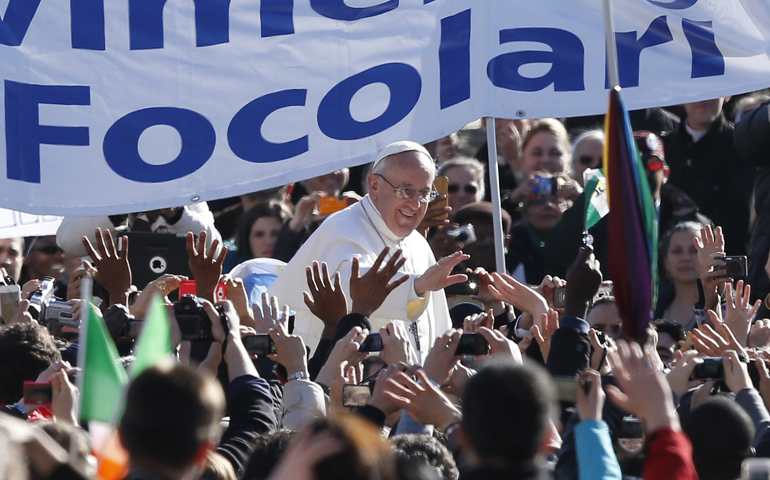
x,y
494,187
612,49
86,284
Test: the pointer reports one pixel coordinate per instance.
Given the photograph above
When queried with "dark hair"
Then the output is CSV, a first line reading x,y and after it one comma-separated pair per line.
x,y
675,330
427,449
171,411
366,456
276,210
513,433
268,449
26,349
665,244
721,433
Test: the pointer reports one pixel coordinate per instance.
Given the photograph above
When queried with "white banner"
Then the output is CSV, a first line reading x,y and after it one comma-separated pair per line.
x,y
125,106
18,224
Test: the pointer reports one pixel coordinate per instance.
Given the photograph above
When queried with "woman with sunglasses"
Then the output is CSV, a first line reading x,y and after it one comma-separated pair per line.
x,y
526,252
466,181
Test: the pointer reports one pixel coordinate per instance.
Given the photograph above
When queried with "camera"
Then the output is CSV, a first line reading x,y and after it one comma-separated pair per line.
x,y
559,297
194,322
712,368
372,343
735,267
472,344
465,234
50,312
259,344
545,186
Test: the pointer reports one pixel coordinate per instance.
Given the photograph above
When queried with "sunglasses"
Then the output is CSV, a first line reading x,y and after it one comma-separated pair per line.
x,y
49,250
469,189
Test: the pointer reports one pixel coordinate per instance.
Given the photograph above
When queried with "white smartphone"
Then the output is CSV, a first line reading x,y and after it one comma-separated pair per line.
x,y
10,296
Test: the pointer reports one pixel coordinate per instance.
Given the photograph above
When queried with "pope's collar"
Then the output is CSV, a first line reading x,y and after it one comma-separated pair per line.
x,y
377,221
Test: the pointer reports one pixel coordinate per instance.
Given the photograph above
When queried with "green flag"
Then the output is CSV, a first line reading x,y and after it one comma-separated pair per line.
x,y
103,378
596,197
154,342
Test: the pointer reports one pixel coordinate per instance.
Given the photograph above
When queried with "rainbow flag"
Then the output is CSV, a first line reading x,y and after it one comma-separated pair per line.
x,y
633,223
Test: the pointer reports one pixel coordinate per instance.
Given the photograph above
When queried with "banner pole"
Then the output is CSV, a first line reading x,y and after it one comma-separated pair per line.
x,y
494,187
612,48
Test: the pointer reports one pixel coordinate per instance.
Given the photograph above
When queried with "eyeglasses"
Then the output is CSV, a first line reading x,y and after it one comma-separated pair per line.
x,y
49,250
655,163
407,193
469,189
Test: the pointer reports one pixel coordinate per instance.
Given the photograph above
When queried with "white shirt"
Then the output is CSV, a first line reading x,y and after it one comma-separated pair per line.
x,y
360,231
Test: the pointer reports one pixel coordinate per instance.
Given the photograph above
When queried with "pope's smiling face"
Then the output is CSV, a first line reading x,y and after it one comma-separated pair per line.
x,y
405,169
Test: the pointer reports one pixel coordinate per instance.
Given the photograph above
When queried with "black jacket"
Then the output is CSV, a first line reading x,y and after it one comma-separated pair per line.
x,y
752,138
716,177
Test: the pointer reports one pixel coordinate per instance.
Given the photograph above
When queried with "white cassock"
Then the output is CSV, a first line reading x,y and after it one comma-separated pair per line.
x,y
359,231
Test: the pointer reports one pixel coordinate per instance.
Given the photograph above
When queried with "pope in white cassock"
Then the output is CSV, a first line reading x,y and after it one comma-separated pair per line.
x,y
400,188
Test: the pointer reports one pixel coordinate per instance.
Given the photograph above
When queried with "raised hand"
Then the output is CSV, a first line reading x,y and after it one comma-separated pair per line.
x,y
291,350
369,291
590,399
435,215
760,334
325,300
236,293
424,402
441,360
113,271
641,389
549,323
739,311
584,278
509,290
206,267
499,346
397,348
439,275
162,286
269,316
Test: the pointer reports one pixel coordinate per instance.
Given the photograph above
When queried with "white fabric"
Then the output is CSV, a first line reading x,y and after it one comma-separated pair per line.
x,y
359,231
695,134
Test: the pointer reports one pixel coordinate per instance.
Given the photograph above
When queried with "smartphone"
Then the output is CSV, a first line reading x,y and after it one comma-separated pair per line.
x,y
472,344
712,368
37,393
559,295
329,205
356,395
372,343
442,187
188,288
10,296
259,344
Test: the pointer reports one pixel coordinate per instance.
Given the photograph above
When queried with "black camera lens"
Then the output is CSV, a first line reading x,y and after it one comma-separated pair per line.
x,y
733,268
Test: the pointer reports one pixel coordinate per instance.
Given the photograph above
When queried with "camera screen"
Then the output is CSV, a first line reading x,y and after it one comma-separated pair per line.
x,y
472,344
372,343
260,344
356,395
37,393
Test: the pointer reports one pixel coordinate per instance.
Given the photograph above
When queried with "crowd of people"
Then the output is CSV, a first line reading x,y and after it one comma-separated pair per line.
x,y
367,334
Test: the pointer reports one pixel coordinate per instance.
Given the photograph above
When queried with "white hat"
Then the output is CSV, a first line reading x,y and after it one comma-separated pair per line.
x,y
400,147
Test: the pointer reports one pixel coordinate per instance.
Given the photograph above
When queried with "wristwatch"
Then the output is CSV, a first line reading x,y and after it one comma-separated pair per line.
x,y
298,376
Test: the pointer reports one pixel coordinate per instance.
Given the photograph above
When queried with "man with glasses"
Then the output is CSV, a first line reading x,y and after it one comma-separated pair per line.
x,y
400,188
